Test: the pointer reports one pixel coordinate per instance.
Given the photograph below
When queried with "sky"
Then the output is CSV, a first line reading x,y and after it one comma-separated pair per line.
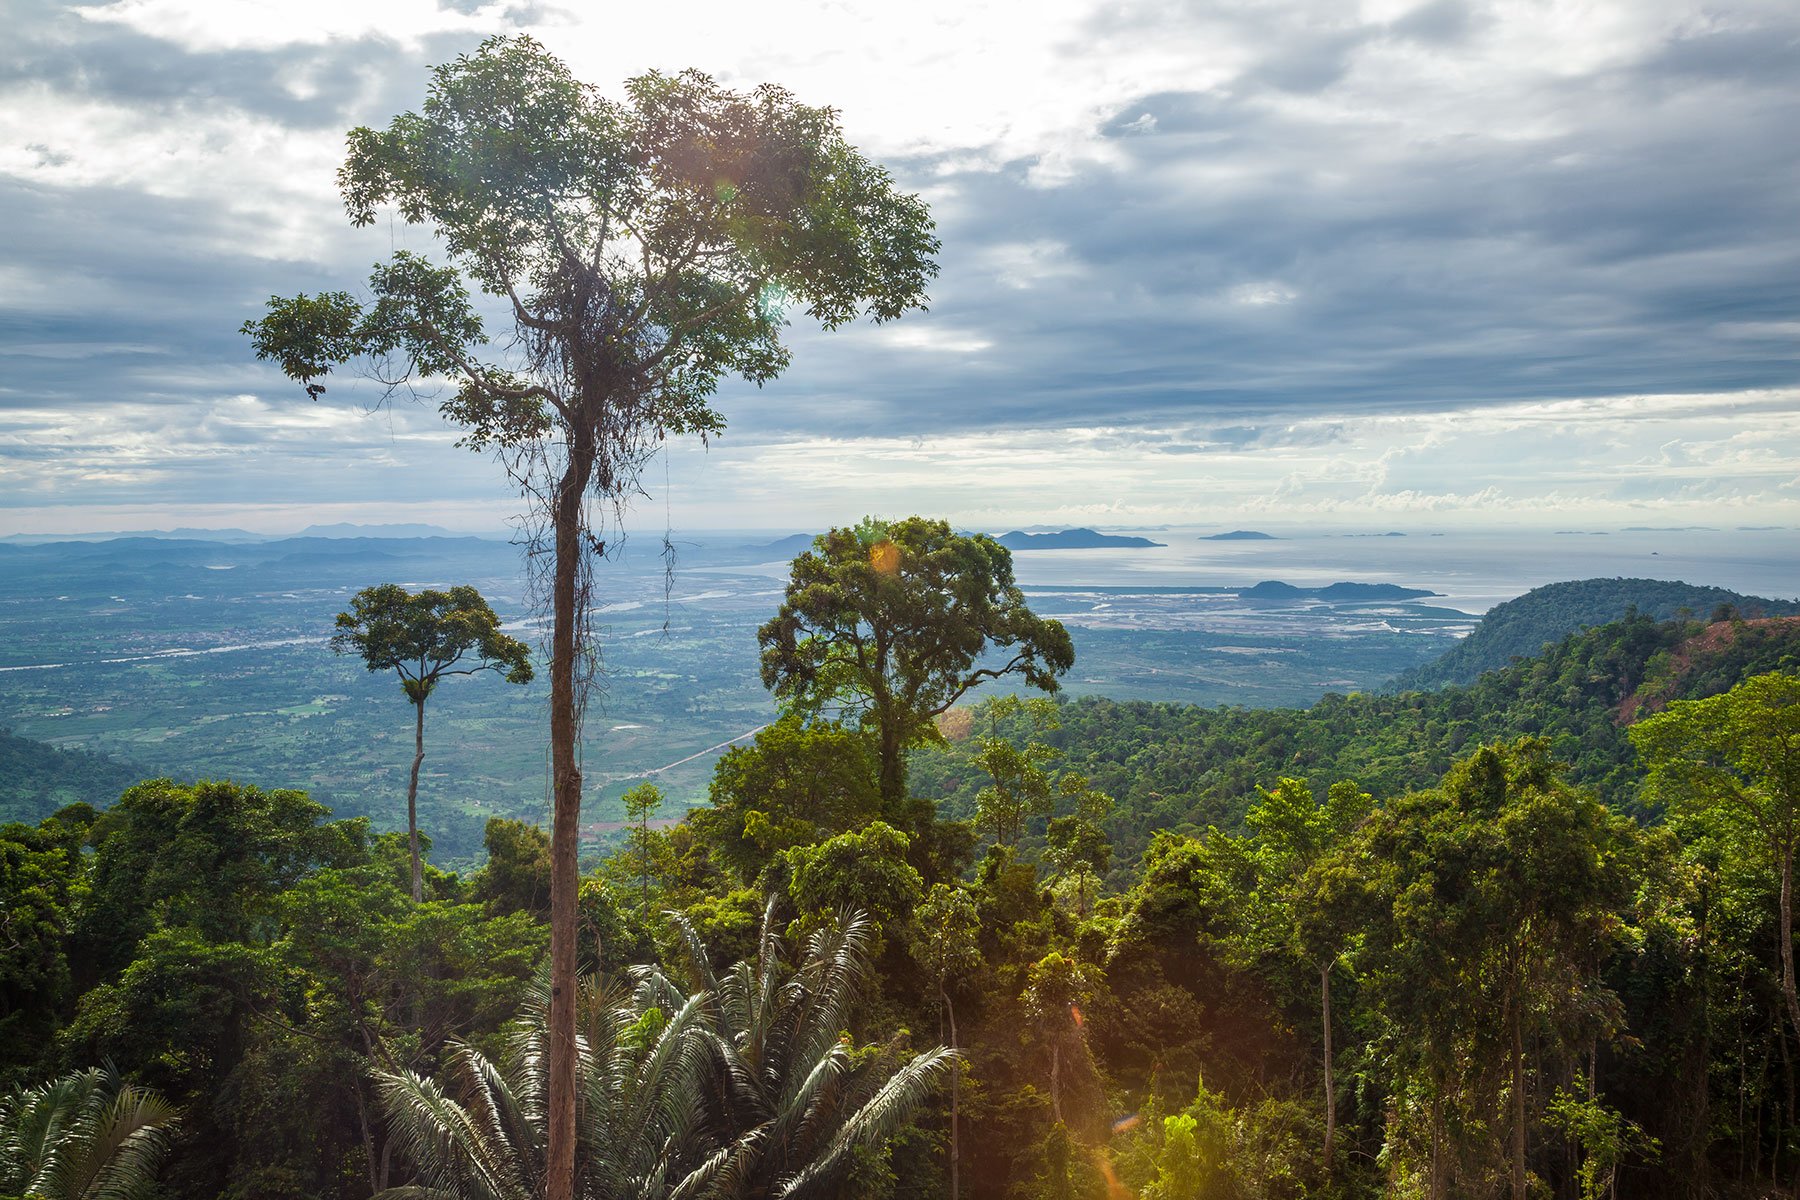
x,y
1385,264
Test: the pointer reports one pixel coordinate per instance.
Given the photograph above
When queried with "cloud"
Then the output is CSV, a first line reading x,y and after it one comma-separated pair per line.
x,y
1252,243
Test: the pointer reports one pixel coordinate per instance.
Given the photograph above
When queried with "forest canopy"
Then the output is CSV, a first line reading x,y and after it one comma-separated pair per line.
x,y
1465,942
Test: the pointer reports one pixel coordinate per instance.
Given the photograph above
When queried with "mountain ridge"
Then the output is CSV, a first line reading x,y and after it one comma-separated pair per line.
x,y
1525,625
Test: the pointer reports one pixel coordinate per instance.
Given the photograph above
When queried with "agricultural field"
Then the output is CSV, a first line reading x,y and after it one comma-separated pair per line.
x,y
210,660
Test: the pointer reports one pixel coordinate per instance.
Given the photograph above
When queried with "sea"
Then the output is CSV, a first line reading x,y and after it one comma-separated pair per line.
x,y
1469,571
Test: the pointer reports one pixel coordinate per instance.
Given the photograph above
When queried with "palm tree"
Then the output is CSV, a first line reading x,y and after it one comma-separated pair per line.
x,y
83,1136
739,1085
479,1134
788,1101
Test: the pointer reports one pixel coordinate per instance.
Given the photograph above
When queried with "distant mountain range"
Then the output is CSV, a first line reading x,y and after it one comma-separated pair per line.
x,y
1522,627
1241,535
340,530
157,566
1073,539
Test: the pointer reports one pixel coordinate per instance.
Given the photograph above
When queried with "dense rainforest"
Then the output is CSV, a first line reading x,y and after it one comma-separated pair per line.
x,y
1517,937
1522,626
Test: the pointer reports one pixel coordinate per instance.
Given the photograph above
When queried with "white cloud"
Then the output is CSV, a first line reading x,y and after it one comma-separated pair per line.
x,y
1472,465
1260,295
1385,256
268,24
934,338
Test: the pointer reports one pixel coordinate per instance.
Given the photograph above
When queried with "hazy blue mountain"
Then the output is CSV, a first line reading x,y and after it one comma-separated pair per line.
x,y
1072,539
1522,627
182,534
343,530
1241,535
714,551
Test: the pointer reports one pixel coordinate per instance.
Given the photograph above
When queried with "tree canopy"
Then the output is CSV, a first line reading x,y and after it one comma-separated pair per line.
x,y
645,249
889,622
427,636
1484,983
424,638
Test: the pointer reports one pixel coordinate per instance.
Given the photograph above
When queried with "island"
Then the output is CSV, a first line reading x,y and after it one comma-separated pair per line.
x,y
788,547
1073,539
1240,535
1270,589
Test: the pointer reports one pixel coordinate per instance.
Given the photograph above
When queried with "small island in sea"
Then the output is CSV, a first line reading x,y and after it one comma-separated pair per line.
x,y
1240,535
1072,539
1270,589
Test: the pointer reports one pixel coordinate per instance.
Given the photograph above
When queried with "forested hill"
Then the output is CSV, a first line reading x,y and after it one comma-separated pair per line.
x,y
1183,768
37,778
1522,627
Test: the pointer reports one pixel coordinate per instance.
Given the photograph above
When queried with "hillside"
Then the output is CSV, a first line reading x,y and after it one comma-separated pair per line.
x,y
1184,767
37,778
1522,627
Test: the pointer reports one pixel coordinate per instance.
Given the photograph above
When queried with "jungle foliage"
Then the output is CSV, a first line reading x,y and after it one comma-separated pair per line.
x,y
1463,943
1523,626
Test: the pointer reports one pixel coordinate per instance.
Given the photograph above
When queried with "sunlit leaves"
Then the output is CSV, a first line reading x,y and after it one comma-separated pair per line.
x,y
896,647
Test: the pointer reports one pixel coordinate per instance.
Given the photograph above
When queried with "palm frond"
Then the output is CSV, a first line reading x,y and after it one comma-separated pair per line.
x,y
699,963
806,1106
878,1118
131,1135
513,1142
836,965
37,1121
83,1136
726,1172
438,1136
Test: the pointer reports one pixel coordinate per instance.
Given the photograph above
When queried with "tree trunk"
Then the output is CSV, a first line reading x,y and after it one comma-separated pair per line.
x,y
1780,1107
955,1097
565,830
644,863
1330,1078
412,801
893,772
1437,1140
368,1137
1056,1081
1787,938
1518,1103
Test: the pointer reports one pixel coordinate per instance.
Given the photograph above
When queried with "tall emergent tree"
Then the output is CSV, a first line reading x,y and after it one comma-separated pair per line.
x,y
1738,756
642,250
888,621
423,638
641,802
